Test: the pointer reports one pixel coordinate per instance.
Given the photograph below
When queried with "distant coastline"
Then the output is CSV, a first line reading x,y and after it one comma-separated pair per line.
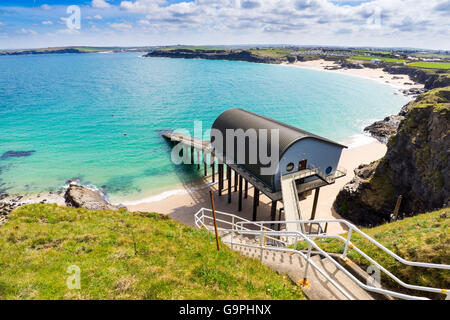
x,y
172,190
430,79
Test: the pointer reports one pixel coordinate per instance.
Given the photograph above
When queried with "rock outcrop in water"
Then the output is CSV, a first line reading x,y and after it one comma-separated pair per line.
x,y
416,166
384,129
17,154
81,197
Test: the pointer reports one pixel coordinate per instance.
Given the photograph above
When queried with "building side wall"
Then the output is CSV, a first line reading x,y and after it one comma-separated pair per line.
x,y
319,154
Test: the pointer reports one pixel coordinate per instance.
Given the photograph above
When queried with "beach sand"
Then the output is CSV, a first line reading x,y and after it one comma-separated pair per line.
x,y
396,80
182,207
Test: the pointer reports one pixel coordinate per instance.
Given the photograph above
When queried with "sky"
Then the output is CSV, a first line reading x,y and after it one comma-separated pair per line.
x,y
376,23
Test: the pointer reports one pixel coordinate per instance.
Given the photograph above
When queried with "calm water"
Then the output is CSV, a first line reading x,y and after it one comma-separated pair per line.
x,y
73,110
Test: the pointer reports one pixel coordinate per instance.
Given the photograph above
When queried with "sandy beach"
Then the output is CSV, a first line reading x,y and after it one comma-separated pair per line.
x,y
184,203
182,207
400,81
184,200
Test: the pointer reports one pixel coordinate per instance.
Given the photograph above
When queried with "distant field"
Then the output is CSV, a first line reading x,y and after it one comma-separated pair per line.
x,y
379,58
272,53
432,55
431,65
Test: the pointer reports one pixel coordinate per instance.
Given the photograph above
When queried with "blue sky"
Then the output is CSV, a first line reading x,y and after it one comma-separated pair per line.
x,y
393,23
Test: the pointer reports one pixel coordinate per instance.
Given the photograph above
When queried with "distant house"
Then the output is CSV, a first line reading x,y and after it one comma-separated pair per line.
x,y
374,61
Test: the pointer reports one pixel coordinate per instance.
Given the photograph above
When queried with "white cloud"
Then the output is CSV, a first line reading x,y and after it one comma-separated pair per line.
x,y
47,23
121,26
97,17
27,31
68,31
355,18
46,7
142,22
100,4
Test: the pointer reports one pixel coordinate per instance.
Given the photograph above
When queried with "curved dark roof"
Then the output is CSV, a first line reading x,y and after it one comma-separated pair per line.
x,y
242,119
239,118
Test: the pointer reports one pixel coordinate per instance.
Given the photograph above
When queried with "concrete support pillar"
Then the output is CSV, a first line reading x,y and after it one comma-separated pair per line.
x,y
273,210
255,203
213,169
314,208
246,190
198,160
229,183
220,168
240,193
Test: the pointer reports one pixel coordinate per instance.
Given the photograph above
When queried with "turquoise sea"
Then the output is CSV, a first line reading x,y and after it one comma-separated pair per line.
x,y
74,109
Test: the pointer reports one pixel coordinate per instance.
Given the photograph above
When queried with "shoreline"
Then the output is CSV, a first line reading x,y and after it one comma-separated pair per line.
x,y
376,74
362,147
354,142
182,204
181,201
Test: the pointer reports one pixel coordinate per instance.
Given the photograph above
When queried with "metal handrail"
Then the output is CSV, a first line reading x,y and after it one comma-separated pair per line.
x,y
349,244
264,232
262,246
234,224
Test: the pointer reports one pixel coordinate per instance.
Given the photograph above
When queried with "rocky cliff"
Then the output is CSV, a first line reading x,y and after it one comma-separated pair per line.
x,y
432,79
233,55
416,166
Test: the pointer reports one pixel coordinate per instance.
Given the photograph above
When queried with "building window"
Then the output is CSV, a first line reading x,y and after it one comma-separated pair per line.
x,y
290,167
329,169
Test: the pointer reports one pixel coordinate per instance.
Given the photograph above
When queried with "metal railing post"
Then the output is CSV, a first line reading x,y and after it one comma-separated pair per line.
x,y
232,232
308,257
347,243
261,243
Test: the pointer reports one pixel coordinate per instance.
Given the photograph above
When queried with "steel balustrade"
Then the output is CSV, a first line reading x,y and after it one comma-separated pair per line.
x,y
282,237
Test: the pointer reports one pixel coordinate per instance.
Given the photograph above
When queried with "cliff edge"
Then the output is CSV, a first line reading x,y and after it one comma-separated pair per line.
x,y
416,166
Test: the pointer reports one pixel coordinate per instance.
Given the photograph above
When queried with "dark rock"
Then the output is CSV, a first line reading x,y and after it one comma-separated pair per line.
x,y
81,197
430,80
17,154
384,129
233,55
416,166
349,65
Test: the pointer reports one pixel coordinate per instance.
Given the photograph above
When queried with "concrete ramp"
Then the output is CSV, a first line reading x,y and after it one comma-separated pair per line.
x,y
290,197
291,202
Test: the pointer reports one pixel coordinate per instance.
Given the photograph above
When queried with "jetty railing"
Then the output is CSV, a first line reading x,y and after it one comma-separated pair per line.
x,y
236,225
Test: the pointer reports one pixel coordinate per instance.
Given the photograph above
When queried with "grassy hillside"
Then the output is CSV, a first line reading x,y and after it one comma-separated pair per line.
x,y
431,65
423,238
124,255
379,58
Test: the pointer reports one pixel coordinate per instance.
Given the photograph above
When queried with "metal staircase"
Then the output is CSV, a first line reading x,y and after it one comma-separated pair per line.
x,y
321,274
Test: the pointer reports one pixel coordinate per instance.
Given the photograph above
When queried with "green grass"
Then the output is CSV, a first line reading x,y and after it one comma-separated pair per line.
x,y
431,55
379,58
438,99
272,53
423,238
431,65
124,255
